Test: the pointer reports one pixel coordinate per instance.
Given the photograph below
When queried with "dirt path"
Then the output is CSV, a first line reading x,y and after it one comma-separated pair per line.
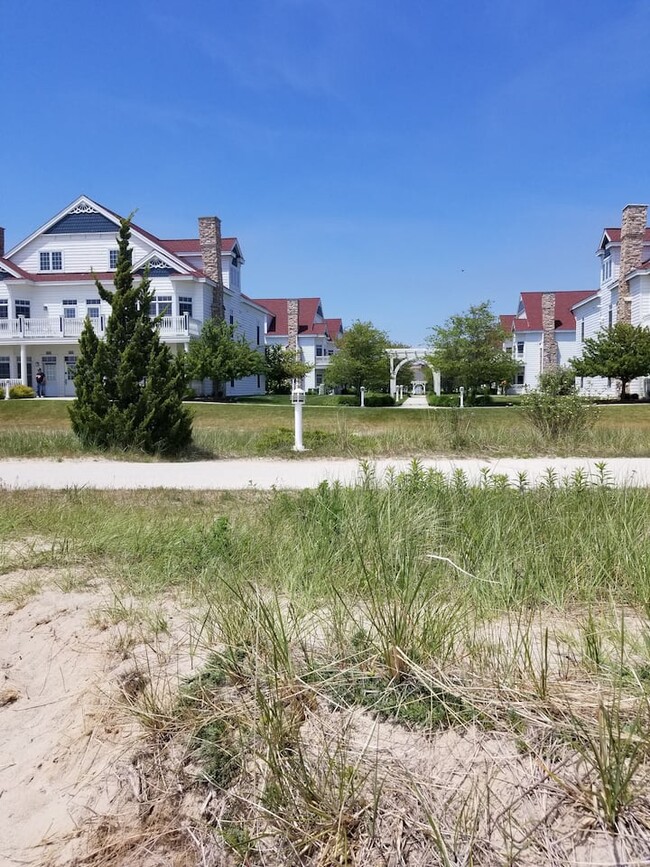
x,y
300,473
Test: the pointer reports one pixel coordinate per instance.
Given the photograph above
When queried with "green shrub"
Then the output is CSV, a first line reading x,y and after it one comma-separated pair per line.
x,y
18,392
348,400
558,417
443,399
558,381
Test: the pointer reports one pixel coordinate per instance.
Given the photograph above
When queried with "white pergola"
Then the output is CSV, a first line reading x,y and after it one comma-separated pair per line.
x,y
401,356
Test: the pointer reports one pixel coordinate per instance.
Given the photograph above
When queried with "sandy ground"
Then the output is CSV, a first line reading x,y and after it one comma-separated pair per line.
x,y
301,473
69,749
65,738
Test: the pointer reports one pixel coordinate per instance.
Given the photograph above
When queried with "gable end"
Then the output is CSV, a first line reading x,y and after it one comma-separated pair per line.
x,y
82,221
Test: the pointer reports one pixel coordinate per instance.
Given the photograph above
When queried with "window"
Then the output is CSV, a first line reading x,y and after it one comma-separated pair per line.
x,y
184,306
22,308
4,309
319,379
51,261
259,381
232,383
231,319
319,351
607,266
112,258
4,367
161,306
69,309
582,330
258,341
70,362
93,307
520,347
610,317
520,379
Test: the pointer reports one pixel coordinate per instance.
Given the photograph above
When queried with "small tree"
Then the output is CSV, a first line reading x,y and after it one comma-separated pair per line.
x,y
219,355
621,352
468,349
129,387
283,365
361,358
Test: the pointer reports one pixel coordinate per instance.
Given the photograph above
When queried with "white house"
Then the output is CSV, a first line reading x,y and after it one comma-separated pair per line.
x,y
623,294
542,334
47,289
299,323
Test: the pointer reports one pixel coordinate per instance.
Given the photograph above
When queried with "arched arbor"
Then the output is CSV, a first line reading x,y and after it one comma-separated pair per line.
x,y
403,355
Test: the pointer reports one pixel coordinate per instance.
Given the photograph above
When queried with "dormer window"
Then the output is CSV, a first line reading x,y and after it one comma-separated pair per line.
x,y
51,261
607,265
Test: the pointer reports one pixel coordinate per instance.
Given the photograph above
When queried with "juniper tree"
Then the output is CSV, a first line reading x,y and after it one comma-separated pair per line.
x,y
129,386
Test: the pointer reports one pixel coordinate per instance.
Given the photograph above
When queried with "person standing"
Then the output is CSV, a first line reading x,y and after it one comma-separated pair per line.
x,y
40,383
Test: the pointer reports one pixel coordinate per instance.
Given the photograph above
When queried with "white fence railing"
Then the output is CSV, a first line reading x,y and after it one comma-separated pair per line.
x,y
60,327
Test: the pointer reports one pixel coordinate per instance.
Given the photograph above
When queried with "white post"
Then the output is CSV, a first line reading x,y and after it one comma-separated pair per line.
x,y
297,399
23,363
297,428
6,385
462,396
363,395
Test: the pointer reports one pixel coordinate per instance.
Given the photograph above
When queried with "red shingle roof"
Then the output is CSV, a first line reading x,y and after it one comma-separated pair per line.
x,y
307,310
564,318
614,234
506,321
7,264
193,245
334,327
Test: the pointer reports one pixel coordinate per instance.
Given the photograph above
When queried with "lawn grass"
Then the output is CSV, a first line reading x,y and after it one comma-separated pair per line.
x,y
472,661
42,429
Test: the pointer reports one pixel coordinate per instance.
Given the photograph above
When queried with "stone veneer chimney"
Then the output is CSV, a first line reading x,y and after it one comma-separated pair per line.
x,y
549,343
292,323
633,225
210,243
2,241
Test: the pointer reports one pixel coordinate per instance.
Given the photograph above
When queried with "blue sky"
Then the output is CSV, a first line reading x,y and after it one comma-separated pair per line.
x,y
401,160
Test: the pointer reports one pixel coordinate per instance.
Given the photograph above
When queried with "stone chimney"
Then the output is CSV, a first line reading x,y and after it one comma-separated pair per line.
x,y
633,225
292,323
2,241
549,343
210,242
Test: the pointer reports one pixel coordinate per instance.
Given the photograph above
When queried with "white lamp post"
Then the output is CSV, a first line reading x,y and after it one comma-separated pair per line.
x,y
363,395
462,396
297,399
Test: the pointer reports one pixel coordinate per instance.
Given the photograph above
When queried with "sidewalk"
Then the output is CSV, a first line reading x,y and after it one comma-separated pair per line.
x,y
264,474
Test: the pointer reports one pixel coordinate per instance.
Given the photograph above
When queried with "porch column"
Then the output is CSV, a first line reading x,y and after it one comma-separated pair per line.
x,y
23,363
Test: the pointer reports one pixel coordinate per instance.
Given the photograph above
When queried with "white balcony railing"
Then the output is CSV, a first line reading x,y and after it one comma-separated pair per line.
x,y
58,327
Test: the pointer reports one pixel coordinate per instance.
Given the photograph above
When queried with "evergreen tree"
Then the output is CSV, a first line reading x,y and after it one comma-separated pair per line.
x,y
129,387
